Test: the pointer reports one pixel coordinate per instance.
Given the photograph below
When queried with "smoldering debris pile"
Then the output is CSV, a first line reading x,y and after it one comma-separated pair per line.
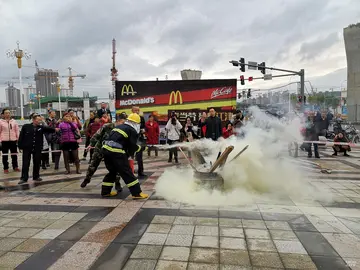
x,y
263,170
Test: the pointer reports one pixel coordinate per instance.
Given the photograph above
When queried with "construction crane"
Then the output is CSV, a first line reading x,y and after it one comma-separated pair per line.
x,y
71,80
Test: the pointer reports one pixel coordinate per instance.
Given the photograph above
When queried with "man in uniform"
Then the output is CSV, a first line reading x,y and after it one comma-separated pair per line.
x,y
97,142
120,145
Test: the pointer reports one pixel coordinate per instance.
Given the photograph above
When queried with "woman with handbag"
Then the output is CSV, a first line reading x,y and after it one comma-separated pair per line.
x,y
69,136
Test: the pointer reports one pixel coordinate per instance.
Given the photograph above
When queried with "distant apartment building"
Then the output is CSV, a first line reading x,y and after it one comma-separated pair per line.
x,y
45,80
12,96
28,92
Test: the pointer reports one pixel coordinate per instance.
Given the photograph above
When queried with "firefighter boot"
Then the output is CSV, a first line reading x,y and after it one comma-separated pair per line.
x,y
140,196
111,194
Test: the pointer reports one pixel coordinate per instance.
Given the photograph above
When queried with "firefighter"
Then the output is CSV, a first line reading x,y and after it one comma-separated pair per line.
x,y
97,142
120,145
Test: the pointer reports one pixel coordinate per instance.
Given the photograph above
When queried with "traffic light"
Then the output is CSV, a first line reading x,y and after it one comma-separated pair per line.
x,y
261,67
242,66
242,80
249,93
251,79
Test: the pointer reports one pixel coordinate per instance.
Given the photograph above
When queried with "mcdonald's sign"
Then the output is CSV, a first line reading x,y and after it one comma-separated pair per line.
x,y
127,89
174,96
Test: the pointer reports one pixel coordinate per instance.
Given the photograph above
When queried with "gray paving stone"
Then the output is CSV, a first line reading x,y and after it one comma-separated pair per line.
x,y
11,260
232,243
25,233
159,228
205,241
179,240
182,229
204,255
231,232
266,259
297,261
347,245
261,245
206,230
254,224
163,219
140,264
277,225
229,222
5,231
202,266
153,239
234,257
316,244
185,220
235,267
289,247
7,244
175,253
170,265
150,252
257,233
283,235
207,221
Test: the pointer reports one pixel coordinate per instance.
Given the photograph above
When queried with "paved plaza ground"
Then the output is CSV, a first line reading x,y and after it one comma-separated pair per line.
x,y
58,225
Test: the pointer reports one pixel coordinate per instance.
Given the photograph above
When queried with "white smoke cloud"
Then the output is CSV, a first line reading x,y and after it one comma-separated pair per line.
x,y
264,170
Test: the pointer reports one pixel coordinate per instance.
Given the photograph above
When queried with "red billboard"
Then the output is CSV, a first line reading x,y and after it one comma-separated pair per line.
x,y
160,97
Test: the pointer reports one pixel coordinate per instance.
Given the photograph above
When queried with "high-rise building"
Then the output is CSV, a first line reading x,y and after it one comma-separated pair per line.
x,y
188,74
12,96
352,47
28,91
45,80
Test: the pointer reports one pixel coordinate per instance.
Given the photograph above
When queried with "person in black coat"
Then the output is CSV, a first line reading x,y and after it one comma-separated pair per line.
x,y
213,125
103,110
31,140
311,135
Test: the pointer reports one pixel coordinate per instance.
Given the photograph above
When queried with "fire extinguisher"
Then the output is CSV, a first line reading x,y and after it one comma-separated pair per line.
x,y
132,166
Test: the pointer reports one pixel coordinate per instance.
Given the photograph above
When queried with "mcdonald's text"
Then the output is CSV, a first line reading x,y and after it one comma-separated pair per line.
x,y
137,101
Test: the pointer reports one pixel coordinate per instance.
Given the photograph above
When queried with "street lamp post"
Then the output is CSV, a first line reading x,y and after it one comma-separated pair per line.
x,y
38,97
58,87
19,55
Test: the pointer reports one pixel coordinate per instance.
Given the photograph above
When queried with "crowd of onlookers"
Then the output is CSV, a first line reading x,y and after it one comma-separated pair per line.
x,y
46,138
317,124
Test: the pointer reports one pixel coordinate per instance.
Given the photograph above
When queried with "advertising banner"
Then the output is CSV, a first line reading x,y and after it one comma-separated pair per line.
x,y
161,97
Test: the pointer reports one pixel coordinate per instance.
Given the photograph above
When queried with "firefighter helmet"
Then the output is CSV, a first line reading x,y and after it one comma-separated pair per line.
x,y
134,117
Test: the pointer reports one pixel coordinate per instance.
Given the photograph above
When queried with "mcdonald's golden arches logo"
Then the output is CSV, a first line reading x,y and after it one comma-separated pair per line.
x,y
174,96
127,90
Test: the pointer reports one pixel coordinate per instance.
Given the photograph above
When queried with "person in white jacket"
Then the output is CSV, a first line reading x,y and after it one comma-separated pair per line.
x,y
173,129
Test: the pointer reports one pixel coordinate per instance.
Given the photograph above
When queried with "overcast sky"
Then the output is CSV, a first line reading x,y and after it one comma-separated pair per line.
x,y
156,38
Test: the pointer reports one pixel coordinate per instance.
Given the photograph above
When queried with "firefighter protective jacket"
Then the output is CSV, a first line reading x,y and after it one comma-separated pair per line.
x,y
122,139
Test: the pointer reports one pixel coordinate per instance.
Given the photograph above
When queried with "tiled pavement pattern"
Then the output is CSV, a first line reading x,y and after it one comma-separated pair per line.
x,y
58,225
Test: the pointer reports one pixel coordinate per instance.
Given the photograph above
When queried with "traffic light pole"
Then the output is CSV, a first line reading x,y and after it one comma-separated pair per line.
x,y
300,73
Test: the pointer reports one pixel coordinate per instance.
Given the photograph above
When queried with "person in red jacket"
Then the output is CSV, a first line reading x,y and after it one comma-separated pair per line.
x,y
92,129
228,131
152,130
